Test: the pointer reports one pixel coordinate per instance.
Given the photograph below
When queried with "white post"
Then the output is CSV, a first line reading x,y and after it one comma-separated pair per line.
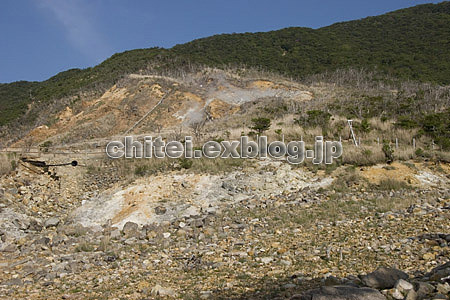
x,y
396,143
378,140
351,130
414,143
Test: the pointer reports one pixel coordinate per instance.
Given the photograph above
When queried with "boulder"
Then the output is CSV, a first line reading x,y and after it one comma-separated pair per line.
x,y
440,272
131,229
383,278
340,292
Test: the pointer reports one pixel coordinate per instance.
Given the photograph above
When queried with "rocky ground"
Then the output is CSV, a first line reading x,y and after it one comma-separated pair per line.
x,y
268,232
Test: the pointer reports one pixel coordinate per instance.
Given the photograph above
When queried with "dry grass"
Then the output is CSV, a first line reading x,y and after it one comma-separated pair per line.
x,y
135,168
390,184
7,163
362,156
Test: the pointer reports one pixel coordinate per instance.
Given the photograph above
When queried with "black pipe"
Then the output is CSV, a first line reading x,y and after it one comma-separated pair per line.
x,y
43,164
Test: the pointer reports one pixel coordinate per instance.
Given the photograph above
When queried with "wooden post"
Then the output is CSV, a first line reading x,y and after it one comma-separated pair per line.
x,y
396,143
414,143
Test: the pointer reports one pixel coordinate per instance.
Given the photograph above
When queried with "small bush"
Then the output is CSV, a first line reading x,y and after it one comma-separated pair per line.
x,y
141,170
388,152
186,163
419,152
45,146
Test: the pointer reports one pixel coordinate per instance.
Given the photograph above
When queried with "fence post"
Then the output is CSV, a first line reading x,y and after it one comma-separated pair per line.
x,y
396,143
414,143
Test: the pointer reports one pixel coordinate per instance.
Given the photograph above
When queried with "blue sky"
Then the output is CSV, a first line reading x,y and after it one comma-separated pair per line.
x,y
40,38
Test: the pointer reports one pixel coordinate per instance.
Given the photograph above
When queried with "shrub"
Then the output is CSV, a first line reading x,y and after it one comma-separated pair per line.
x,y
388,152
45,146
260,124
186,163
406,122
419,152
315,118
140,170
365,126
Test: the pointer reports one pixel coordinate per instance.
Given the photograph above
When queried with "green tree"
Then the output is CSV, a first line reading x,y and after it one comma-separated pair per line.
x,y
260,124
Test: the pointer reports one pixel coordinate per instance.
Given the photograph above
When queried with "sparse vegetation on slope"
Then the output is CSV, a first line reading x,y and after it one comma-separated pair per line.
x,y
410,44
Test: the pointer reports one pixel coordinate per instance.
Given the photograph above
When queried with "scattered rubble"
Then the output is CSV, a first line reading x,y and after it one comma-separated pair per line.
x,y
281,233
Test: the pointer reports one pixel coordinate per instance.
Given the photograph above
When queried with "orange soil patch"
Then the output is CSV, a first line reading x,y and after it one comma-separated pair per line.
x,y
218,108
262,84
191,96
395,171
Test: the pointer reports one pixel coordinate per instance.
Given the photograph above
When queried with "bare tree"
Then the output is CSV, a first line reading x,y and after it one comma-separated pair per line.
x,y
197,121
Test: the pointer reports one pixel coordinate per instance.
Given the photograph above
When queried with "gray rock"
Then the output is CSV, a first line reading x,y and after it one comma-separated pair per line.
x,y
13,282
9,248
423,289
341,292
331,280
383,278
160,210
403,286
443,288
42,241
412,295
197,223
51,222
439,272
396,294
35,225
131,229
115,234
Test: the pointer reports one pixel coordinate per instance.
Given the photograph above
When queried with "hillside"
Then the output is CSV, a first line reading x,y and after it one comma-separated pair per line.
x,y
372,224
411,43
